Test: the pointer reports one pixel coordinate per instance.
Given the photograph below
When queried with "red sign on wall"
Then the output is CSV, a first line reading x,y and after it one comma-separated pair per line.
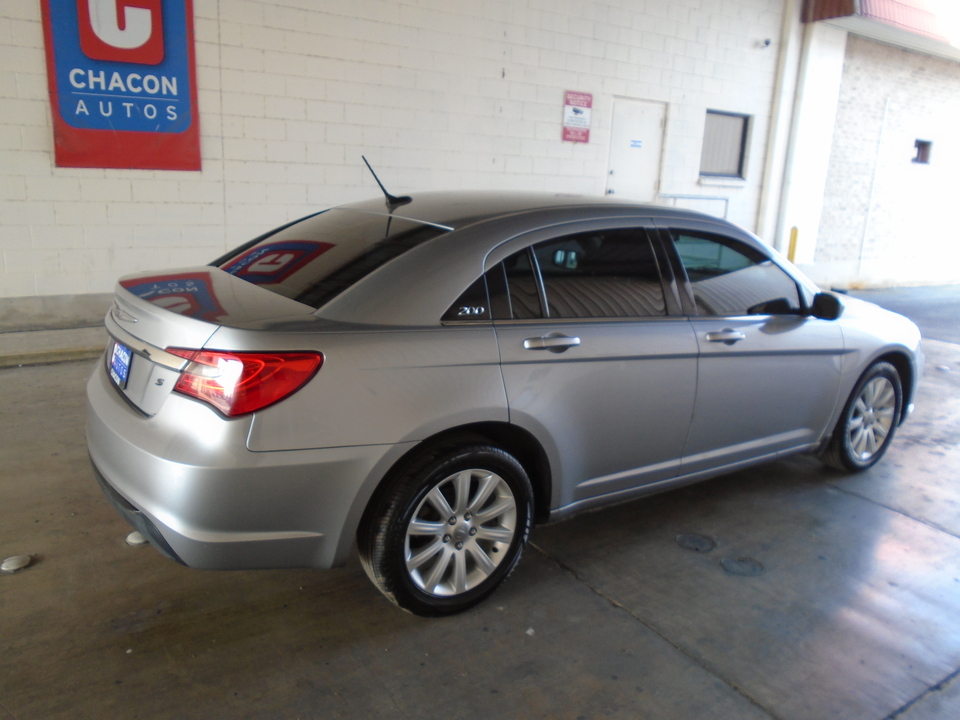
x,y
576,116
123,87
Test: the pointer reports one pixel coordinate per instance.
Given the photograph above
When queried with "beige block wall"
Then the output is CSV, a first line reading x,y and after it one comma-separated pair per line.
x,y
438,95
886,219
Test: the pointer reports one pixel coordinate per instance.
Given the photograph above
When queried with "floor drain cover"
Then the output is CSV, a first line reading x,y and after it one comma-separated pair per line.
x,y
697,543
746,566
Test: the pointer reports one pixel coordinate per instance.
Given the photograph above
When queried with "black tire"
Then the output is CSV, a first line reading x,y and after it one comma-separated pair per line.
x,y
430,566
873,409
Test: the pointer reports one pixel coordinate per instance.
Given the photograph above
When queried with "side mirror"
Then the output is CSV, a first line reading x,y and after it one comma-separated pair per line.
x,y
780,306
826,307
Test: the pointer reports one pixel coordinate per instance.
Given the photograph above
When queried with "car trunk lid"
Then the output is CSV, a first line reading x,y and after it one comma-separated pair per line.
x,y
180,308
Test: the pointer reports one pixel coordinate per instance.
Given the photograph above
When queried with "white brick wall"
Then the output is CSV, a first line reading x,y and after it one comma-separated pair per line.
x,y
885,218
438,94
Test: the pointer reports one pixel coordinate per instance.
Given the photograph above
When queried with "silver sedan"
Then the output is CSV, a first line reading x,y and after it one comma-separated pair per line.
x,y
428,377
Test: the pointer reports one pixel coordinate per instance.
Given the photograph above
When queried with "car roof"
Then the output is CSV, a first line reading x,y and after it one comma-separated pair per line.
x,y
479,221
454,210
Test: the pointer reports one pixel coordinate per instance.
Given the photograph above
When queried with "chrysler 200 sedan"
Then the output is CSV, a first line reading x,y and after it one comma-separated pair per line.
x,y
428,377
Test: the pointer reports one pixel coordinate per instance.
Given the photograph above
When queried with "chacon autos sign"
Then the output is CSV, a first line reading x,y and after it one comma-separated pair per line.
x,y
123,87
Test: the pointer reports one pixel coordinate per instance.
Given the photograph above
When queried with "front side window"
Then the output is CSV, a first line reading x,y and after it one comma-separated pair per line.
x,y
730,278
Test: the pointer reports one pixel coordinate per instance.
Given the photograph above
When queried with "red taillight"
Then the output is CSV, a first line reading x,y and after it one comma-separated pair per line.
x,y
236,383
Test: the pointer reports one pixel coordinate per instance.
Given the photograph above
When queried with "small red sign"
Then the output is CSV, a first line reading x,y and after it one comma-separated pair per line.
x,y
576,116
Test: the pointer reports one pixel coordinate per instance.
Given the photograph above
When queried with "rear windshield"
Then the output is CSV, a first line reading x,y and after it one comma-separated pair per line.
x,y
315,259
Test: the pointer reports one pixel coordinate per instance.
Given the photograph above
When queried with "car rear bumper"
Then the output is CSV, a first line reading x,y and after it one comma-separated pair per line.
x,y
137,519
185,479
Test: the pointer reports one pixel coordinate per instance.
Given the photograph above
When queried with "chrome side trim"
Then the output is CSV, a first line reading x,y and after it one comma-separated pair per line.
x,y
150,352
632,493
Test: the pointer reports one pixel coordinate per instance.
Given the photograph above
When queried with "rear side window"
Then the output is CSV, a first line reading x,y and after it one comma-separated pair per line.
x,y
513,289
605,274
522,291
507,291
730,278
314,260
601,274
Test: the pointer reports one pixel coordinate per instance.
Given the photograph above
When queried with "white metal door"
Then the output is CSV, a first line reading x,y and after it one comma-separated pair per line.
x,y
636,139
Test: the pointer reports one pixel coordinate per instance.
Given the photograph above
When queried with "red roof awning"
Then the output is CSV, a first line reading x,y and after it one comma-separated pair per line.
x,y
914,16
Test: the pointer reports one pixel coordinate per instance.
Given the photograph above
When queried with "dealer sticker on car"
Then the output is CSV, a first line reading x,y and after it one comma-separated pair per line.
x,y
120,364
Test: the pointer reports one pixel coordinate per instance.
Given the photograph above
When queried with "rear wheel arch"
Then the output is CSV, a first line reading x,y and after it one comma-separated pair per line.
x,y
527,449
449,529
513,439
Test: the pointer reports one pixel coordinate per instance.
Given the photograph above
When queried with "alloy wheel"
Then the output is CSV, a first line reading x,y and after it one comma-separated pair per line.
x,y
871,418
460,532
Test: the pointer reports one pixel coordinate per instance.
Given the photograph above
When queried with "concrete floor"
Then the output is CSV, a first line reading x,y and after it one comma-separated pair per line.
x,y
935,309
856,613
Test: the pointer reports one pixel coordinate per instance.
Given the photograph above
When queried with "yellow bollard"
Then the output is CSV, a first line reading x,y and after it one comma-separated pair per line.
x,y
791,253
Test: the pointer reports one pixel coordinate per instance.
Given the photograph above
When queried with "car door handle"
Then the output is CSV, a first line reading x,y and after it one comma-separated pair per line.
x,y
726,336
553,343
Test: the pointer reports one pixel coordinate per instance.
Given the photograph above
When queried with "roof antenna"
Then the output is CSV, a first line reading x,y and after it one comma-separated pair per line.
x,y
393,202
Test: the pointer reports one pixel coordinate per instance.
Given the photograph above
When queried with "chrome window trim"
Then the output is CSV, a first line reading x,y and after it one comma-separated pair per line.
x,y
573,321
593,320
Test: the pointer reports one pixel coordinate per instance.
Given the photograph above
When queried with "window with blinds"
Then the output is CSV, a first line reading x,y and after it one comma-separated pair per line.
x,y
724,144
